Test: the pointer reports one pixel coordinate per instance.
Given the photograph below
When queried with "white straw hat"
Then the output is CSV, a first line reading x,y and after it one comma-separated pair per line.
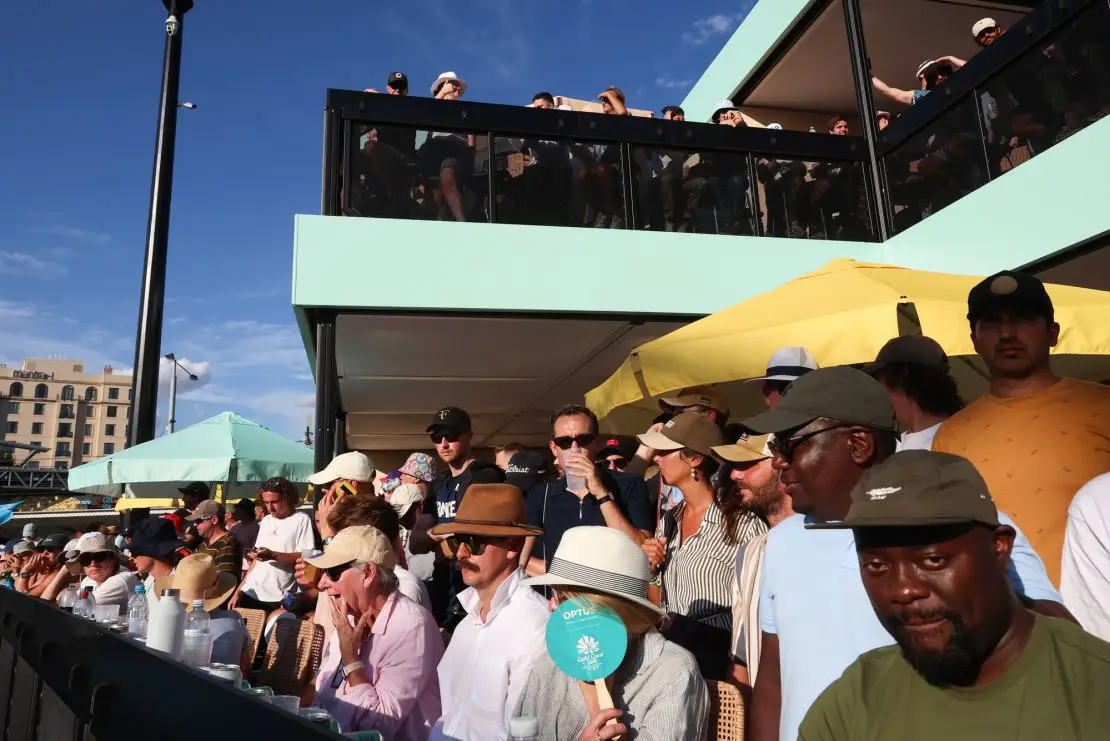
x,y
444,78
603,560
787,364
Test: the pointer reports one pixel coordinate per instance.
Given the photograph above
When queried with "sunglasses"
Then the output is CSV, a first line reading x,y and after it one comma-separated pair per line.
x,y
438,437
565,442
786,448
476,544
335,572
90,558
618,463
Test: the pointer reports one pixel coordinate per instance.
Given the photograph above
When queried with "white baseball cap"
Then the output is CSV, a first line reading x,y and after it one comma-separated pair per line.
x,y
982,25
404,496
787,364
353,466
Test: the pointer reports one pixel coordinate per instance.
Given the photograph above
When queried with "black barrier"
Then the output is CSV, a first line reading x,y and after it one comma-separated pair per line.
x,y
64,678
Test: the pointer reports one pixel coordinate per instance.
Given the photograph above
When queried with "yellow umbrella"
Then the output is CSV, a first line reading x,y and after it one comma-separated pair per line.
x,y
843,313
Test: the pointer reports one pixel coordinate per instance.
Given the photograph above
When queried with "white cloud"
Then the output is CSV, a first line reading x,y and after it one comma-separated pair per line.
x,y
185,386
669,83
706,28
68,232
27,265
12,310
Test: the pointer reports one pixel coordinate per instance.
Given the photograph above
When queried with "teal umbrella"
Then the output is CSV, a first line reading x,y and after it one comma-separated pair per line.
x,y
227,449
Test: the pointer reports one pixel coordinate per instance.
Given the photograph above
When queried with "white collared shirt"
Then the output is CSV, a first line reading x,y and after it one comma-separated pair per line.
x,y
920,440
486,665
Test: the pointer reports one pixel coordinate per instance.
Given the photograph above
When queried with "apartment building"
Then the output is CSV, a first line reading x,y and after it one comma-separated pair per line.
x,y
77,416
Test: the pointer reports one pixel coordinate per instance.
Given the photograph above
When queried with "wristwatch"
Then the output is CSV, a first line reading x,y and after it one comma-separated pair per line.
x,y
23,575
354,666
603,499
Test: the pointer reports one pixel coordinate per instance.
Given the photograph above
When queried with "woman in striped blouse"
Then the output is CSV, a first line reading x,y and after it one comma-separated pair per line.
x,y
694,549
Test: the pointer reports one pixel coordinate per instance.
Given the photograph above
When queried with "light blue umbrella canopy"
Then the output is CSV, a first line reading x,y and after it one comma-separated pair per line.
x,y
227,449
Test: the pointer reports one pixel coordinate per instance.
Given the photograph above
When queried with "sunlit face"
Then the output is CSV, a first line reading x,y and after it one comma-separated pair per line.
x,y
276,504
730,117
543,103
575,426
98,566
451,447
357,586
1014,341
758,485
205,527
498,557
451,90
674,468
840,128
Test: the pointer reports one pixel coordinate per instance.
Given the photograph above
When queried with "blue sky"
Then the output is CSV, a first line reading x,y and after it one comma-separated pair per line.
x,y
80,94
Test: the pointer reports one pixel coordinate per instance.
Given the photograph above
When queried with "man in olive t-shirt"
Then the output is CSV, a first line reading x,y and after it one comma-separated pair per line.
x,y
971,662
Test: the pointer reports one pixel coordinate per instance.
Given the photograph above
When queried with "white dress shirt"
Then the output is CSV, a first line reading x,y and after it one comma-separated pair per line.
x,y
486,665
920,440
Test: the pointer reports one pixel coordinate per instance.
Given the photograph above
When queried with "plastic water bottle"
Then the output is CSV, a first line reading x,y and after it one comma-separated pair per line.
x,y
198,636
83,607
138,613
524,728
165,630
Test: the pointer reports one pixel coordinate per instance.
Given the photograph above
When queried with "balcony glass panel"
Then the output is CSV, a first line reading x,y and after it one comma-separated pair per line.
x,y
406,173
1051,92
937,166
812,200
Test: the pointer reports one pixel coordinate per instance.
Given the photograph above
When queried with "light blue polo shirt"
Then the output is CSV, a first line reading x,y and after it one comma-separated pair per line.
x,y
812,596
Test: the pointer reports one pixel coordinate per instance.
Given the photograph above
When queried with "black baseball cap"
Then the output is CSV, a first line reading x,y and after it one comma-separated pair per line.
x,y
197,488
674,110
397,80
1007,288
619,446
450,419
53,542
840,393
525,469
910,349
918,488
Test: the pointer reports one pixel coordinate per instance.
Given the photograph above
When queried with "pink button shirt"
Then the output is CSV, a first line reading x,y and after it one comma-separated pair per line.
x,y
401,653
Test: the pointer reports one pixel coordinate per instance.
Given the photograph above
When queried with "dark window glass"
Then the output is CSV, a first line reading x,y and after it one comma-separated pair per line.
x,y
112,411
113,393
812,200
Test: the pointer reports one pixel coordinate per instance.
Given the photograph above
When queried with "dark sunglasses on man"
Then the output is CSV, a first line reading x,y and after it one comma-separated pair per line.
x,y
613,464
475,544
438,437
786,447
564,442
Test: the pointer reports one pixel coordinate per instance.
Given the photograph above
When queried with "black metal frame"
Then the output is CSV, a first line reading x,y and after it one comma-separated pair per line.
x,y
327,393
519,121
65,678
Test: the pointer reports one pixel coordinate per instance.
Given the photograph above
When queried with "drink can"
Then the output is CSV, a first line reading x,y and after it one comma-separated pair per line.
x,y
259,692
229,673
319,717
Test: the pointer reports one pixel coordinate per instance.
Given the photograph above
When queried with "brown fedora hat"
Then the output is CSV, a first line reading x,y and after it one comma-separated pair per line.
x,y
489,509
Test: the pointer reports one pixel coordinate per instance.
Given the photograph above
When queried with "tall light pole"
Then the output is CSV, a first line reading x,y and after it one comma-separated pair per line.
x,y
173,388
148,339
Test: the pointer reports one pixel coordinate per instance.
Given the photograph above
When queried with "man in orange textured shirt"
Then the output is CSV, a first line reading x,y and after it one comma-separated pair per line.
x,y
1034,437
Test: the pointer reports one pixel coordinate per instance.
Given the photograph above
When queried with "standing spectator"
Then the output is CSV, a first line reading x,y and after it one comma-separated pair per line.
x,y
613,499
502,454
242,524
353,472
1085,568
971,661
407,501
986,31
695,545
378,671
195,493
830,426
448,156
615,453
749,475
282,535
673,113
914,371
216,541
930,74
492,650
420,470
787,364
1064,423
452,434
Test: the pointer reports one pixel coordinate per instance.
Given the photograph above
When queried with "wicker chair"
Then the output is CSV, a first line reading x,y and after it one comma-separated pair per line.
x,y
726,712
256,622
292,656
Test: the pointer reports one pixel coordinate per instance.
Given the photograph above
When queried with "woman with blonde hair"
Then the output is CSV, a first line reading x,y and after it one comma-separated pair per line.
x,y
657,691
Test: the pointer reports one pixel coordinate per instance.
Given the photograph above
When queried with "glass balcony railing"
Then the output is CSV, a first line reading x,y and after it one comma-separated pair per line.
x,y
1039,83
418,158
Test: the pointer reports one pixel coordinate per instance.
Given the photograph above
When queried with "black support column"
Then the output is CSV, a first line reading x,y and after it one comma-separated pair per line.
x,y
861,73
327,393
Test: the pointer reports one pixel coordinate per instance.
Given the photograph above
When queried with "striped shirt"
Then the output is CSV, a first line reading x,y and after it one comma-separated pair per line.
x,y
658,687
226,553
699,573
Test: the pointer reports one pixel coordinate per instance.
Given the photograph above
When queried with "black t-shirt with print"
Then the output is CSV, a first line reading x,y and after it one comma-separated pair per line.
x,y
447,490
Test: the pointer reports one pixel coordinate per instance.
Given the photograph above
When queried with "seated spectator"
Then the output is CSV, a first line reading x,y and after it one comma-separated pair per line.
x,y
657,689
100,563
493,649
197,577
217,542
153,545
39,567
379,667
971,662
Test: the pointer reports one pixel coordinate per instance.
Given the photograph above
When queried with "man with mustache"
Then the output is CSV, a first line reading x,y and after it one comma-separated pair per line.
x,y
971,662
1035,437
830,426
